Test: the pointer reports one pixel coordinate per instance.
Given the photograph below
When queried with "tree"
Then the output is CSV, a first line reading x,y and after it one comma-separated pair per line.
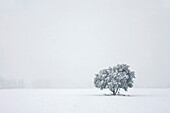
x,y
120,76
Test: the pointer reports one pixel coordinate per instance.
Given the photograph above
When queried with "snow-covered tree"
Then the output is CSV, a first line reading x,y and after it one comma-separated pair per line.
x,y
120,76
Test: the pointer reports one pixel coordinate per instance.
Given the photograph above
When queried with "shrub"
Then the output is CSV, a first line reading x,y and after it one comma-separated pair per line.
x,y
120,76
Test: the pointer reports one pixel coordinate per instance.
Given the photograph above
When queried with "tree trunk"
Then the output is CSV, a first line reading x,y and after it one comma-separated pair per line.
x,y
115,92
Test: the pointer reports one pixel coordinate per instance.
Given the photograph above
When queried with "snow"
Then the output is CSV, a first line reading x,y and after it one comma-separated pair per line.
x,y
84,101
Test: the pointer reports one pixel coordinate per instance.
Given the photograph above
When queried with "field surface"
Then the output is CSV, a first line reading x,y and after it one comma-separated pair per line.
x,y
84,101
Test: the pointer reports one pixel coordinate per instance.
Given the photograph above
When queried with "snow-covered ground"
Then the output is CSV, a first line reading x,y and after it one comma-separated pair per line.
x,y
83,101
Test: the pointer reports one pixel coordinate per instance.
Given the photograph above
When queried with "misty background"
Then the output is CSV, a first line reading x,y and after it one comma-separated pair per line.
x,y
63,43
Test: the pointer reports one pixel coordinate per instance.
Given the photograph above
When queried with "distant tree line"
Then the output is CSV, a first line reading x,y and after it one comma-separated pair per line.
x,y
15,83
11,83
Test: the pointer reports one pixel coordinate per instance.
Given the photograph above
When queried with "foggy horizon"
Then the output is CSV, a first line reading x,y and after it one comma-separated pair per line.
x,y
63,44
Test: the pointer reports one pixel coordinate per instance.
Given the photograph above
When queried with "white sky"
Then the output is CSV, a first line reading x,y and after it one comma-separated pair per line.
x,y
68,41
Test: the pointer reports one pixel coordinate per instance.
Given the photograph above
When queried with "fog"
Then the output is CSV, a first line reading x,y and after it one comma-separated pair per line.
x,y
63,43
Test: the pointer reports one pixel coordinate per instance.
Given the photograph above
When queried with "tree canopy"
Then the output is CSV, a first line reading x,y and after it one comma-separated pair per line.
x,y
120,76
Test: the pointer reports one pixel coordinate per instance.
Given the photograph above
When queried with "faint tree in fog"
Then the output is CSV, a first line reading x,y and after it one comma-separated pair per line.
x,y
2,83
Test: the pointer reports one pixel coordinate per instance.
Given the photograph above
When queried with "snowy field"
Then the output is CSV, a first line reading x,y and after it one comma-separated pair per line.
x,y
83,101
